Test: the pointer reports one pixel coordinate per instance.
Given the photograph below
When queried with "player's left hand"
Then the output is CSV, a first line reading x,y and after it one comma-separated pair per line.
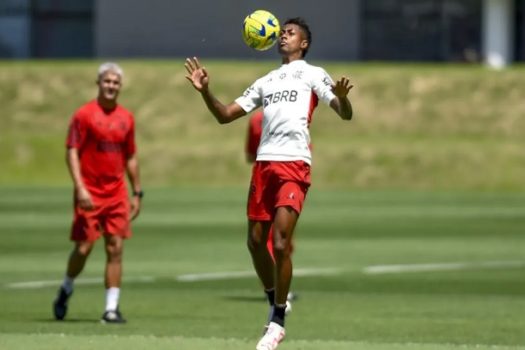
x,y
342,87
135,207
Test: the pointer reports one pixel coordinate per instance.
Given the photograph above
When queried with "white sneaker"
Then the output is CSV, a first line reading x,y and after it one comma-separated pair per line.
x,y
270,314
288,309
273,336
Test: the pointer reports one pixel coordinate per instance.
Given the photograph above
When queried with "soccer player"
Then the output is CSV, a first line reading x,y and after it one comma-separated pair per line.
x,y
281,174
100,152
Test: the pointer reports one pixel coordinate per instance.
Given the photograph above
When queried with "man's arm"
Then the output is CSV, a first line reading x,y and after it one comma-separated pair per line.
x,y
132,170
82,194
199,78
223,113
341,104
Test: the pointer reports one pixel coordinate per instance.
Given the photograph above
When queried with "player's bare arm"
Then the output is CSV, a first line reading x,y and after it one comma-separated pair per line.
x,y
199,78
341,104
132,169
82,194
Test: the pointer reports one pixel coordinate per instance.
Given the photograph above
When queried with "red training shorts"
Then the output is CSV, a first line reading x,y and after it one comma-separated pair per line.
x,y
110,216
277,184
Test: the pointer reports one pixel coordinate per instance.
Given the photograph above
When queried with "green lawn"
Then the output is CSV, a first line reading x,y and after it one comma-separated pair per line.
x,y
416,126
375,270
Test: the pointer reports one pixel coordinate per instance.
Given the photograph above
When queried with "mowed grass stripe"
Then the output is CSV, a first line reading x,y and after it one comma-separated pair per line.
x,y
298,272
234,215
119,342
349,310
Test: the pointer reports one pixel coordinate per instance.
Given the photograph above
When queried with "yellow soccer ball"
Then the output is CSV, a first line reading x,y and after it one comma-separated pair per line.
x,y
260,30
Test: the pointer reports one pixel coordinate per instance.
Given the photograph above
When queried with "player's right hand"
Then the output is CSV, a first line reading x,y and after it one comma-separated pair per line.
x,y
84,201
197,74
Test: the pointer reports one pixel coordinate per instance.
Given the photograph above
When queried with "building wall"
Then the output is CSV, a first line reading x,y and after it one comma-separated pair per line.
x,y
413,30
166,28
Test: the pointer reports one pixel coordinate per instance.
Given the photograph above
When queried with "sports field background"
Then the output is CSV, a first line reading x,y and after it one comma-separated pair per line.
x,y
416,126
411,238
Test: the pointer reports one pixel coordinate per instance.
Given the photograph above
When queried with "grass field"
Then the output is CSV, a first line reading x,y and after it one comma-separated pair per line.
x,y
375,270
424,127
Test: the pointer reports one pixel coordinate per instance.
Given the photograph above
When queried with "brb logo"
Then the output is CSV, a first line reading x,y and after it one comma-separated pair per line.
x,y
285,95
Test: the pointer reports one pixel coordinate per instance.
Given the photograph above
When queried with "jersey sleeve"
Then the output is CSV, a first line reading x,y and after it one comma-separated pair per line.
x,y
322,85
251,98
76,135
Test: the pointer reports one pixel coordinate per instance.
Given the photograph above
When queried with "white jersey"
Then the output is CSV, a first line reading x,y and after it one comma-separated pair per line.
x,y
289,96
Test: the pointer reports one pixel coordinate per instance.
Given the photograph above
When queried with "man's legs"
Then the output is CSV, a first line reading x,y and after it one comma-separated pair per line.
x,y
261,258
291,295
283,227
114,247
78,258
75,265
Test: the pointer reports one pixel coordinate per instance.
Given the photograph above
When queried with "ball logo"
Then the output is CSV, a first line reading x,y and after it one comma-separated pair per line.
x,y
260,30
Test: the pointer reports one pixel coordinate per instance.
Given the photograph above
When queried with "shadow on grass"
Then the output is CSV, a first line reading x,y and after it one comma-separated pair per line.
x,y
246,298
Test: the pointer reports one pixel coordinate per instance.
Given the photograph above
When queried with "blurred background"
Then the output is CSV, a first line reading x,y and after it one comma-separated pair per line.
x,y
429,115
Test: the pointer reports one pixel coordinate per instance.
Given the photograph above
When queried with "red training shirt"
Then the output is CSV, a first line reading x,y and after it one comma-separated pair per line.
x,y
254,133
104,140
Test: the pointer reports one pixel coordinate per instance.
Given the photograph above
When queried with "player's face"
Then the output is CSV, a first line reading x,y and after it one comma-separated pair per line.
x,y
109,85
291,40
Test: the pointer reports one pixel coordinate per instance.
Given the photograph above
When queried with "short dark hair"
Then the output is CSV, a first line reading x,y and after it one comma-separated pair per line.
x,y
301,23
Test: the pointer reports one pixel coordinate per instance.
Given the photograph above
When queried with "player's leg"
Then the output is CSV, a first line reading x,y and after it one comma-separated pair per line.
x,y
291,295
75,265
289,199
77,259
262,260
284,225
84,232
116,226
112,278
269,242
259,224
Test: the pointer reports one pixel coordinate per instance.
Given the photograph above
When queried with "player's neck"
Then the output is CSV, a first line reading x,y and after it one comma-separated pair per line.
x,y
106,104
292,57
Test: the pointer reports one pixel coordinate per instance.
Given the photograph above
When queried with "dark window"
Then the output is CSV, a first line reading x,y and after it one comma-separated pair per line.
x,y
15,24
422,30
62,28
520,30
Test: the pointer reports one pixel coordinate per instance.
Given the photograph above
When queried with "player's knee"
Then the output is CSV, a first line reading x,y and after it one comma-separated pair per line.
x,y
282,248
255,243
114,255
114,252
83,249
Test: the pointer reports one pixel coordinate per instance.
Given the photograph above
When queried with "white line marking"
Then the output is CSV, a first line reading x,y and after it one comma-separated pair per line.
x,y
213,276
86,281
407,268
216,276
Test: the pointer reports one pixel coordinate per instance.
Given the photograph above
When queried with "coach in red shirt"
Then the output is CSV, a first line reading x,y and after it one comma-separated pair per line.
x,y
100,152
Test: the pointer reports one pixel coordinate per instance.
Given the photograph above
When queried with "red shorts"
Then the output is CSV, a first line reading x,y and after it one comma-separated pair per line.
x,y
110,216
277,184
